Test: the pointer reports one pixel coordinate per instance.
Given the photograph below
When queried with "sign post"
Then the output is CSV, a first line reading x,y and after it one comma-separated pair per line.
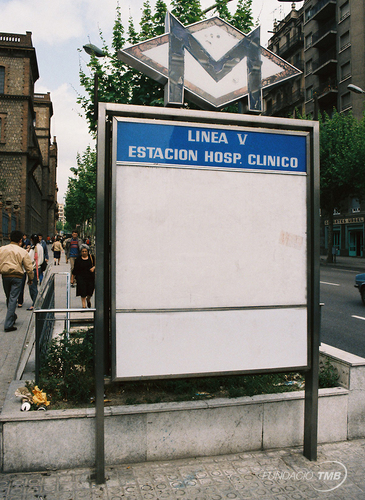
x,y
214,241
212,220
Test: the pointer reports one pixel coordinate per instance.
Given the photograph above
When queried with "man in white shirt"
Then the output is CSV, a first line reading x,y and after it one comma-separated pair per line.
x,y
13,261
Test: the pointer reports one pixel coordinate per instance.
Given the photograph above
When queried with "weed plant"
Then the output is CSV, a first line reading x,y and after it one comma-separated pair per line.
x,y
68,371
328,374
68,376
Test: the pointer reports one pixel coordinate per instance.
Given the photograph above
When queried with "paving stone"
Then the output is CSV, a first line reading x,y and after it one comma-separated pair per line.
x,y
241,477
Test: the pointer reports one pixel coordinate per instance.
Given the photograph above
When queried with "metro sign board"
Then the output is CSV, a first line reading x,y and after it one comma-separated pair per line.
x,y
213,62
205,252
210,147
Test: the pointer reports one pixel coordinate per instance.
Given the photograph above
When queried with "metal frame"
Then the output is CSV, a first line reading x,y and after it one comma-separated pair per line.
x,y
39,329
104,217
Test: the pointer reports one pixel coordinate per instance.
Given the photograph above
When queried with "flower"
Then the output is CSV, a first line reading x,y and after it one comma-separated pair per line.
x,y
39,397
37,400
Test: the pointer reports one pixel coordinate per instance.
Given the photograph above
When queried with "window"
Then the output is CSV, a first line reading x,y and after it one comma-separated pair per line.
x,y
345,101
344,10
345,70
344,40
308,41
309,93
2,80
308,14
2,127
355,205
308,67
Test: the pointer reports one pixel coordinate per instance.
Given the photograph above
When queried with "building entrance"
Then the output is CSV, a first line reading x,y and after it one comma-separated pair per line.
x,y
356,243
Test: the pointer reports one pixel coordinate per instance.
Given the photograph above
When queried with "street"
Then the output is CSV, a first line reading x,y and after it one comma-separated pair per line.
x,y
343,315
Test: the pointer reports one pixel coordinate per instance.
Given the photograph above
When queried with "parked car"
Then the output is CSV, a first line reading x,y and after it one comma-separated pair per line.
x,y
360,284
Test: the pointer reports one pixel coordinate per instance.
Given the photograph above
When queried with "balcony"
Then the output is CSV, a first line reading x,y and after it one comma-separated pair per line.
x,y
288,101
325,36
299,64
14,39
326,63
327,93
294,42
324,9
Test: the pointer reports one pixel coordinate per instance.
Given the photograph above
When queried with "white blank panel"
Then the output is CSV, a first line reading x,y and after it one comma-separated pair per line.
x,y
204,239
185,343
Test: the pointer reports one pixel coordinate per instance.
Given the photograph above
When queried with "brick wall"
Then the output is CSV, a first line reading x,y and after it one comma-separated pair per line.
x,y
24,147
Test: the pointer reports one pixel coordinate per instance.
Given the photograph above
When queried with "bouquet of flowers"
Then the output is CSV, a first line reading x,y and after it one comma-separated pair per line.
x,y
32,398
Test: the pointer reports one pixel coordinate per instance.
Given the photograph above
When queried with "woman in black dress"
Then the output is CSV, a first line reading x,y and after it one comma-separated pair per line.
x,y
84,271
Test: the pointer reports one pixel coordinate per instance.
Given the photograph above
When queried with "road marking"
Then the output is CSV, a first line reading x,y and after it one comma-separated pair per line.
x,y
332,284
358,317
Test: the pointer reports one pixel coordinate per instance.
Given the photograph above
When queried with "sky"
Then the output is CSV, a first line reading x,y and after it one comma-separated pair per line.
x,y
61,27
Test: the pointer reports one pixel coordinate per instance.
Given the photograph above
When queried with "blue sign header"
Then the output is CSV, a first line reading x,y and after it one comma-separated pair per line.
x,y
197,146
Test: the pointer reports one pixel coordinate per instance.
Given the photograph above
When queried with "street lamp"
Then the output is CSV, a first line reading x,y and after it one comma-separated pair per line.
x,y
355,89
93,50
99,324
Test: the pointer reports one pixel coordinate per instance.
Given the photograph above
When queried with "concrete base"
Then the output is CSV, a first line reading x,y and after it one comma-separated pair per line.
x,y
60,439
65,438
351,369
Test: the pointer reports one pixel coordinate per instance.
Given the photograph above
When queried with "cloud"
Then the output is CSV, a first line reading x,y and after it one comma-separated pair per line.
x,y
56,21
70,130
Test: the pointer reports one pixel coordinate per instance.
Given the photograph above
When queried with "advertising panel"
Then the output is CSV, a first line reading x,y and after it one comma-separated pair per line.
x,y
211,248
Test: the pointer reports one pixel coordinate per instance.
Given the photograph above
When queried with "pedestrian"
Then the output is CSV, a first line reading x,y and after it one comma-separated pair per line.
x,y
57,249
84,270
72,249
26,242
36,254
13,260
46,257
26,246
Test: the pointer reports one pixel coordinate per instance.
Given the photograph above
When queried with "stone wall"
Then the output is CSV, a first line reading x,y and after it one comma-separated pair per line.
x,y
25,146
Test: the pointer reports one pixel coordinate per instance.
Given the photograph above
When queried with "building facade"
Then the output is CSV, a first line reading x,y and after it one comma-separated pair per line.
x,y
28,159
287,100
330,36
326,40
61,213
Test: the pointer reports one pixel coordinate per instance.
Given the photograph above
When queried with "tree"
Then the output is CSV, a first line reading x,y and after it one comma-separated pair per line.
x,y
342,160
81,190
121,84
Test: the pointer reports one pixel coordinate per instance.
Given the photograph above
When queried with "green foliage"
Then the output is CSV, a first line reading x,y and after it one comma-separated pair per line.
x,y
342,158
187,11
222,10
328,374
81,189
68,372
242,18
68,375
342,163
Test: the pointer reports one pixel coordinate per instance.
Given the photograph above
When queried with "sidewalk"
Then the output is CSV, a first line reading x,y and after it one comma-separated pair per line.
x,y
14,343
357,264
268,475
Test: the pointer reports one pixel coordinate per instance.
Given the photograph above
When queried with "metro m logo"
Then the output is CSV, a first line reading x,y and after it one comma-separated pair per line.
x,y
214,63
182,40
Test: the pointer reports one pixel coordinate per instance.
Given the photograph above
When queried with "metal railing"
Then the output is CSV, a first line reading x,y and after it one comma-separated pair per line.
x,y
44,324
44,327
